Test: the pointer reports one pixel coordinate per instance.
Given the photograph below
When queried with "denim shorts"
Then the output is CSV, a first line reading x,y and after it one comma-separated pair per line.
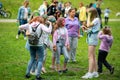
x,y
92,39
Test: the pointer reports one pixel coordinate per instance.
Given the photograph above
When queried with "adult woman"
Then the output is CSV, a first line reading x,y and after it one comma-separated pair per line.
x,y
82,15
73,26
36,49
93,26
23,14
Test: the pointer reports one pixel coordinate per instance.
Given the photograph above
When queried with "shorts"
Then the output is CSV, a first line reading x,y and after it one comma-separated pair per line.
x,y
92,39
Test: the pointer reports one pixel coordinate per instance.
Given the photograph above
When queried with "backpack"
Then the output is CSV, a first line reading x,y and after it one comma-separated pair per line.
x,y
33,38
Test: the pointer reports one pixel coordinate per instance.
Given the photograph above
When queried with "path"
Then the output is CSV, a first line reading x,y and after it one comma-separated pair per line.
x,y
14,20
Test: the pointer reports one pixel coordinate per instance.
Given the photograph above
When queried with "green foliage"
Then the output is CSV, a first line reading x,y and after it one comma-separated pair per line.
x,y
14,57
13,5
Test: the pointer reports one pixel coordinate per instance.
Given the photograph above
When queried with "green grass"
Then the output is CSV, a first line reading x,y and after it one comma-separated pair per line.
x,y
14,57
13,5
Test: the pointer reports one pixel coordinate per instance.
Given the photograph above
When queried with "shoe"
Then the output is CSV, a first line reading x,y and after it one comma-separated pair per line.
x,y
73,61
39,78
112,70
87,75
52,67
64,71
27,76
60,72
81,35
68,61
32,73
16,36
25,38
95,74
43,70
100,73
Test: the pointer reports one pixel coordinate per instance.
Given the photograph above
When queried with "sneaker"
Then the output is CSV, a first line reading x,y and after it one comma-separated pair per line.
x,y
25,38
64,71
16,36
81,35
27,76
43,70
100,73
60,72
39,78
112,70
32,73
52,67
95,74
68,61
73,61
88,75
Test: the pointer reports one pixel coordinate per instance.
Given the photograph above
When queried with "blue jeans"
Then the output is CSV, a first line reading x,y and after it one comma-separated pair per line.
x,y
21,22
39,50
61,49
73,45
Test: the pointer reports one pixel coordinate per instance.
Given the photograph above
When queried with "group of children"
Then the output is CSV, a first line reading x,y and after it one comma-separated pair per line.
x,y
44,27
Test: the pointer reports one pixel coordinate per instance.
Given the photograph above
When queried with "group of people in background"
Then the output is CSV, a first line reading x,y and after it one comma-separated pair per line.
x,y
66,25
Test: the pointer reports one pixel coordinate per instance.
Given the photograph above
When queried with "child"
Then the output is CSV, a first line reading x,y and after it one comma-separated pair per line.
x,y
93,27
61,43
106,15
106,42
37,49
23,15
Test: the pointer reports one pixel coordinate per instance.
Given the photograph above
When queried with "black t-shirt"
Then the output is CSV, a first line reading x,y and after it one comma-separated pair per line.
x,y
51,10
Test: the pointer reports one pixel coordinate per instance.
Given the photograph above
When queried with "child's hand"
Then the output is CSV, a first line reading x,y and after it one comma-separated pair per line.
x,y
68,47
84,28
54,48
78,36
27,33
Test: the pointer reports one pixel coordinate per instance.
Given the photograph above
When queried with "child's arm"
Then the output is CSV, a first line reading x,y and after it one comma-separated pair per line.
x,y
89,23
54,40
44,28
67,41
24,27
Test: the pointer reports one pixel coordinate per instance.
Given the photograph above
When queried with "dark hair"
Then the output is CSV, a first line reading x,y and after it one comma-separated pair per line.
x,y
106,30
71,10
90,5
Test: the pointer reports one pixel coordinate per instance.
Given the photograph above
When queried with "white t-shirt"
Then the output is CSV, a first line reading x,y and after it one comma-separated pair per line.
x,y
26,13
42,9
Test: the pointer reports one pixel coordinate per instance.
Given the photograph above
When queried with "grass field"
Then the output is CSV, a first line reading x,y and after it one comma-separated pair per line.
x,y
14,57
13,5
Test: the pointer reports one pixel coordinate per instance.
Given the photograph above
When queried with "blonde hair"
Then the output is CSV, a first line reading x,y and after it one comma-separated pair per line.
x,y
94,13
26,2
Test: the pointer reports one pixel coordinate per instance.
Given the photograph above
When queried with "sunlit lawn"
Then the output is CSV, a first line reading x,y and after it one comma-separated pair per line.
x,y
14,57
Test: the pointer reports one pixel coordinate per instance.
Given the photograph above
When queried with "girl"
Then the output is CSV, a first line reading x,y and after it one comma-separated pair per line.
x,y
93,24
61,43
36,49
23,15
106,42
